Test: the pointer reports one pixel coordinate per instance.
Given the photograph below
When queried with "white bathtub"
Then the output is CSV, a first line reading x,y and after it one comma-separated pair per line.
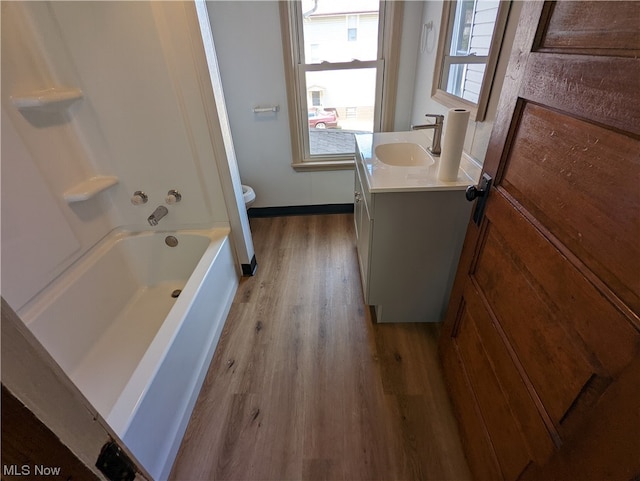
x,y
138,354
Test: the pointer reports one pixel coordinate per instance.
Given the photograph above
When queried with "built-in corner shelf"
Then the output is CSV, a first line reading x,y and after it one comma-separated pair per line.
x,y
89,188
54,98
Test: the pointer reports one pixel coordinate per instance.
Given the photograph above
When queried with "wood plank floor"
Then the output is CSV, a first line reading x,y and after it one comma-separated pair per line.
x,y
304,386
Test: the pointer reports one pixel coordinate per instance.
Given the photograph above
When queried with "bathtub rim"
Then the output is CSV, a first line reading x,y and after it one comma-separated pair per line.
x,y
121,413
126,405
34,307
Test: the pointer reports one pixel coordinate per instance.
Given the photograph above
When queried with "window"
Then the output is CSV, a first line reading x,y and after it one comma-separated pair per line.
x,y
316,96
335,82
470,38
314,52
352,28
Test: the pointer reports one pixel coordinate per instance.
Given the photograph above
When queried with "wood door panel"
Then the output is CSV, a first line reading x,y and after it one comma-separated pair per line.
x,y
609,338
585,26
573,187
514,423
477,443
493,402
555,366
562,329
591,87
606,448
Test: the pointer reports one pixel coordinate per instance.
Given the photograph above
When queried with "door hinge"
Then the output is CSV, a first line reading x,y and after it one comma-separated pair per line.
x,y
115,464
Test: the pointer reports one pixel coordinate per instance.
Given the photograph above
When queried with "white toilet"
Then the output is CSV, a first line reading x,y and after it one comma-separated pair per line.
x,y
249,195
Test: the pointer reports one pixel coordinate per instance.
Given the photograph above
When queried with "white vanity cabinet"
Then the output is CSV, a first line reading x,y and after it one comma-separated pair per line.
x,y
363,224
408,243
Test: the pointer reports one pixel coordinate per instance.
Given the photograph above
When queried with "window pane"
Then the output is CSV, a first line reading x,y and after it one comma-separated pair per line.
x,y
340,30
347,106
484,21
465,80
473,27
462,28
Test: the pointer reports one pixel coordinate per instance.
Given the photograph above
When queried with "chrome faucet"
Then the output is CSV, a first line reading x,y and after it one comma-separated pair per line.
x,y
437,132
158,214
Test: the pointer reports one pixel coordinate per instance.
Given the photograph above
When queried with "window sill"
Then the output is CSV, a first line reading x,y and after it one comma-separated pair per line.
x,y
323,165
453,102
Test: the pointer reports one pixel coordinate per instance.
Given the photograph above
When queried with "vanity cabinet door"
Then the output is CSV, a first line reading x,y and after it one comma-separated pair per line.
x,y
363,232
357,204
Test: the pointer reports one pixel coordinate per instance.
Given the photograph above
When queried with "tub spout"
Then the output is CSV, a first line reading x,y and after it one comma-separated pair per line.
x,y
158,214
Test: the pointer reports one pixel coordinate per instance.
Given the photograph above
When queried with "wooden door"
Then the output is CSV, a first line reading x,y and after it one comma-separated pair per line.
x,y
542,338
29,448
46,421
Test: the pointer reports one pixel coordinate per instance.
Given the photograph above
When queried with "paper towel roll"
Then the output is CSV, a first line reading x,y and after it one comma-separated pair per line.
x,y
455,130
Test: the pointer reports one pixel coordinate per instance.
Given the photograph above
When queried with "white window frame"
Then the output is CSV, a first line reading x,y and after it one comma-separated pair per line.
x,y
386,63
444,61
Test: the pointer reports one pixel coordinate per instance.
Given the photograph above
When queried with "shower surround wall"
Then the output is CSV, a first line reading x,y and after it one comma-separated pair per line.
x,y
142,118
149,116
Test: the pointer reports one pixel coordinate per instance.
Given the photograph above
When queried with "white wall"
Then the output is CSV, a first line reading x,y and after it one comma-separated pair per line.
x,y
249,47
478,133
407,72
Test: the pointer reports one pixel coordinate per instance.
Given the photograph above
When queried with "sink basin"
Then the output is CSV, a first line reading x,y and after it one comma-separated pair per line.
x,y
403,154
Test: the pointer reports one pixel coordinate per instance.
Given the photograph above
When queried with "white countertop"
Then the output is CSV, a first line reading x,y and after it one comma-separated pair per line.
x,y
386,178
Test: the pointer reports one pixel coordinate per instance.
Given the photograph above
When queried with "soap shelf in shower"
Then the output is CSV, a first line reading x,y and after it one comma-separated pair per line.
x,y
54,98
89,188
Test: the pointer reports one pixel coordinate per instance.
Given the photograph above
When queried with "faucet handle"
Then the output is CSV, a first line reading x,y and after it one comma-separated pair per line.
x,y
173,196
439,117
139,198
